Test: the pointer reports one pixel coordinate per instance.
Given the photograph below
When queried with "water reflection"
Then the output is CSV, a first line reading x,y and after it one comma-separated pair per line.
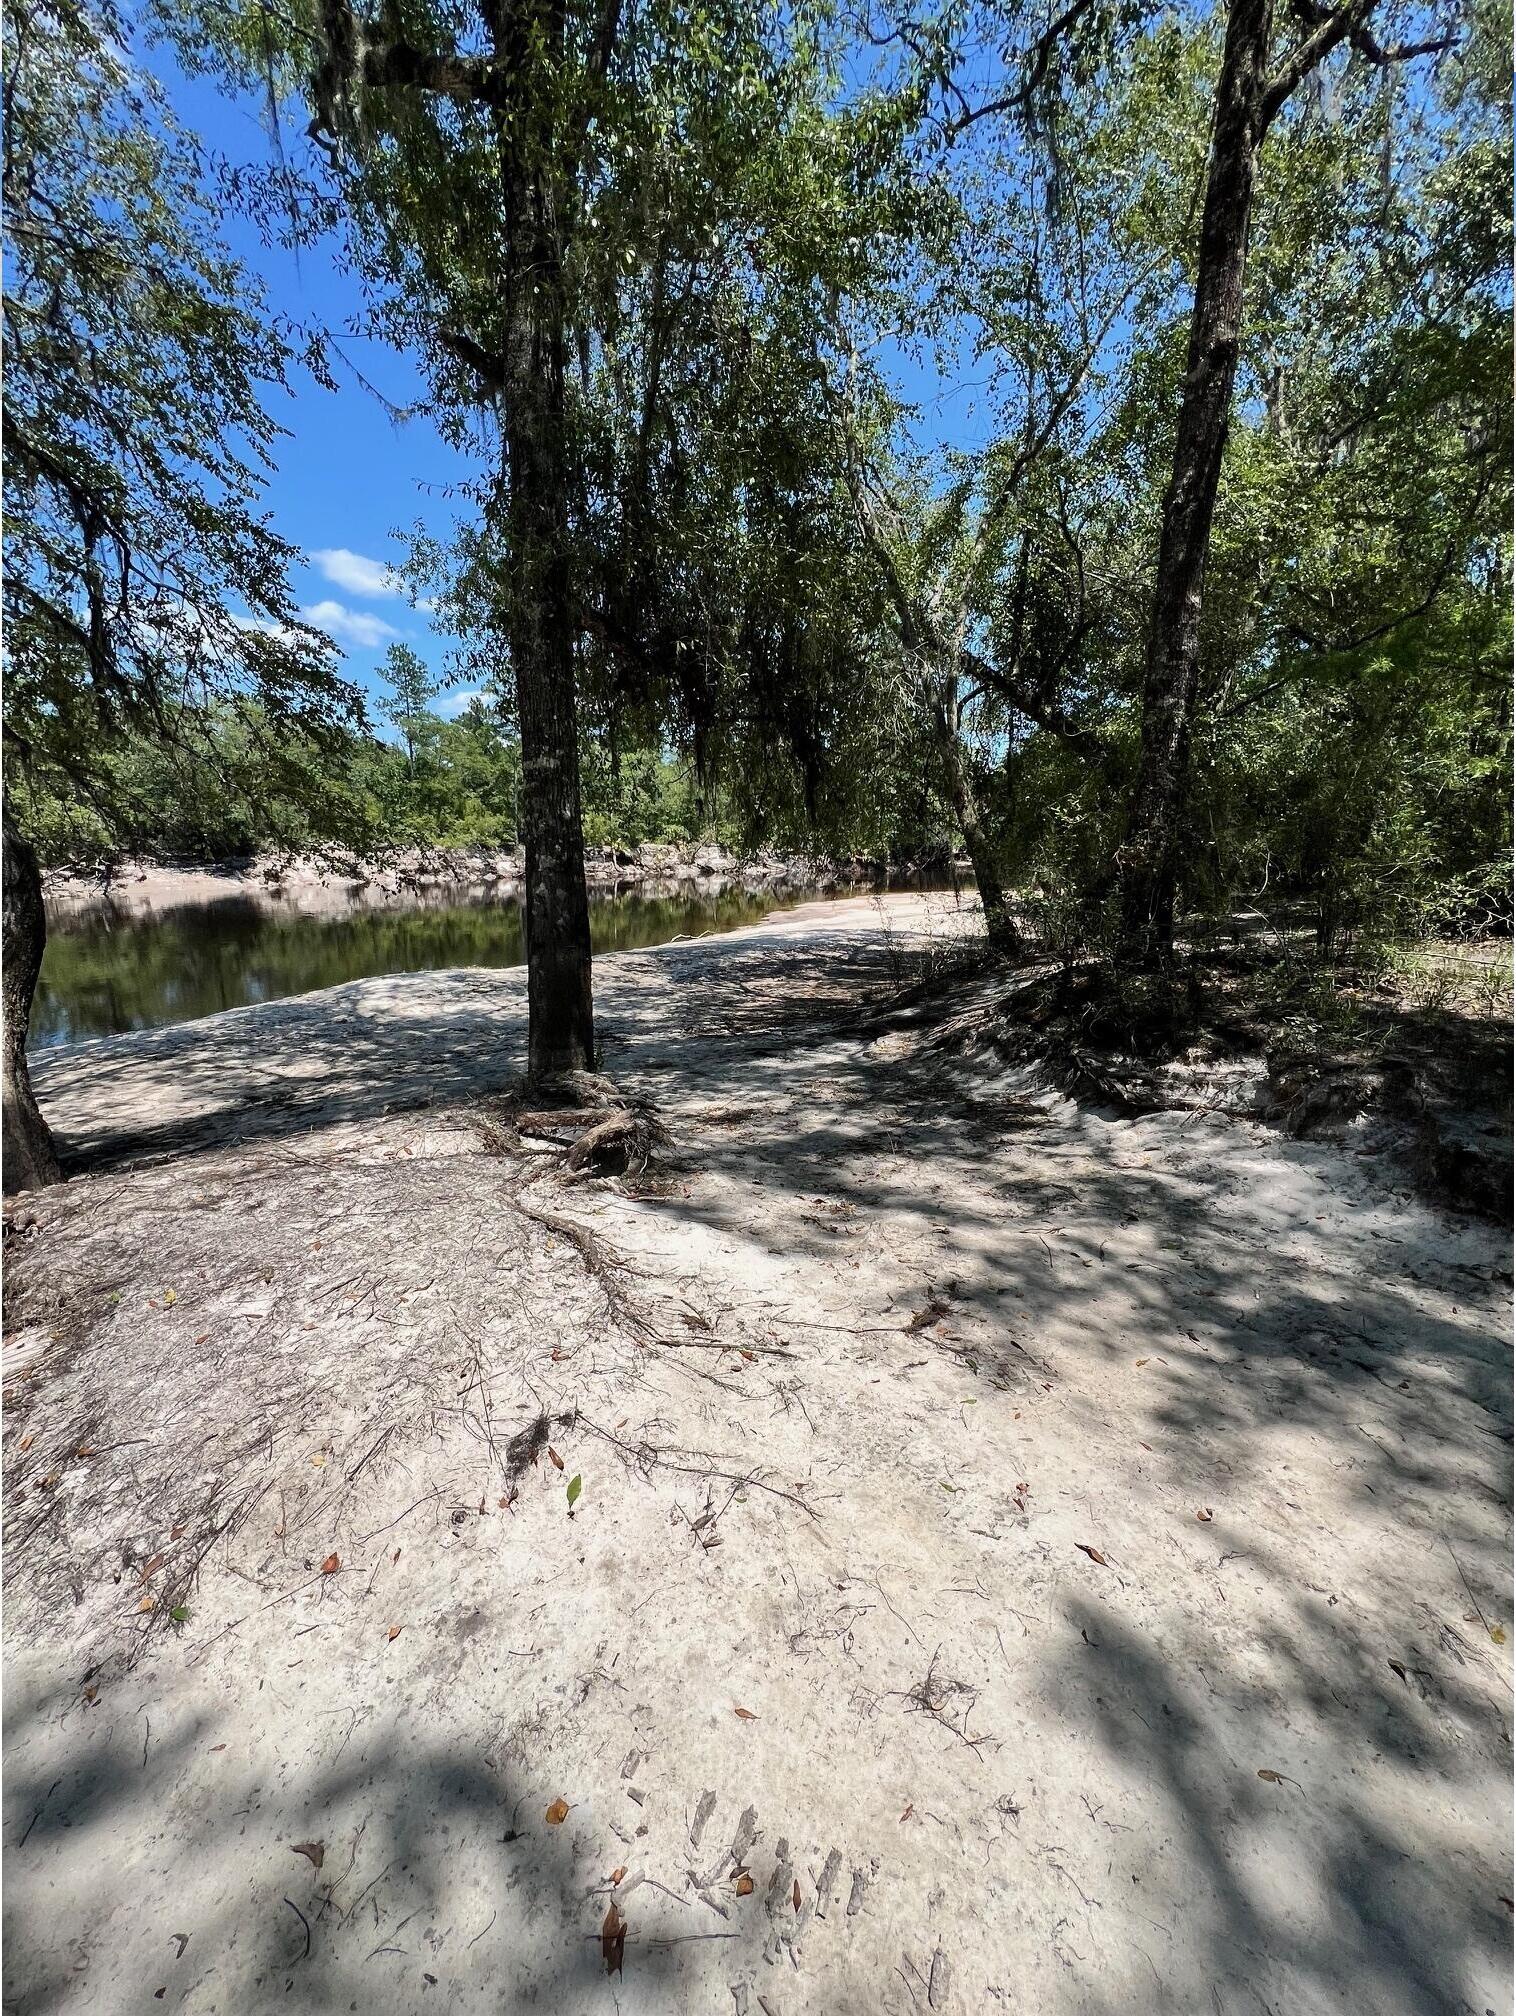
x,y
108,971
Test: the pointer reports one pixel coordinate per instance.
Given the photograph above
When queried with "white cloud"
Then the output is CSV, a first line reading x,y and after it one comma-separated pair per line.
x,y
451,705
357,573
350,626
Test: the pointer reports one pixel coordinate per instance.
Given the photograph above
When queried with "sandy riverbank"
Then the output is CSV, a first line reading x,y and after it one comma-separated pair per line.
x,y
1024,1559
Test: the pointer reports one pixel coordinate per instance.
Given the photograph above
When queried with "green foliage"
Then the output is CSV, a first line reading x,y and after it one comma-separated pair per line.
x,y
799,621
145,598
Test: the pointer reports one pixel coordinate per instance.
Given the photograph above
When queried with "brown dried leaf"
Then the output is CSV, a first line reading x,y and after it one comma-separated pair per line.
x,y
146,1603
331,1564
557,1813
176,1532
908,1811
617,1874
90,1693
26,1442
554,1458
795,1898
1094,1553
1142,1361
394,1632
744,1715
1204,1515
313,1851
150,1568
1396,1667
744,1885
613,1939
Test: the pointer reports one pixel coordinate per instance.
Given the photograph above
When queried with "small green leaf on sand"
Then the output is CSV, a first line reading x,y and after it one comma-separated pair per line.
x,y
575,1486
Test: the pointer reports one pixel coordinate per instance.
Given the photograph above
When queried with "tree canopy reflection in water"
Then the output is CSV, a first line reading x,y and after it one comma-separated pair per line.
x,y
108,971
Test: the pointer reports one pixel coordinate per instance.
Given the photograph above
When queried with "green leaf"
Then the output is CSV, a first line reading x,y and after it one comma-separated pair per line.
x,y
178,1614
575,1486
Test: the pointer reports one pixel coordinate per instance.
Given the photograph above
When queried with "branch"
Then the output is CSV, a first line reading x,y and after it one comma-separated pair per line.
x,y
1328,27
1038,57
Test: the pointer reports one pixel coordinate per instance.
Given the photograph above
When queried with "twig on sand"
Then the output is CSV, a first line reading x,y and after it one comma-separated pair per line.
x,y
305,1922
650,1455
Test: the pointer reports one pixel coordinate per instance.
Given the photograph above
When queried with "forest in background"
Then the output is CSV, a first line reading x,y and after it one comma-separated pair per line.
x,y
1218,615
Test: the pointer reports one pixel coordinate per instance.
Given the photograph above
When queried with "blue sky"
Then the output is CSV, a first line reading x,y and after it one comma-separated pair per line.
x,y
348,475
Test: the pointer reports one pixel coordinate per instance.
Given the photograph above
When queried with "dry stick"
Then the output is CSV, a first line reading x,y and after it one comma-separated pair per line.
x,y
1466,1589
305,1922
649,1451
374,1451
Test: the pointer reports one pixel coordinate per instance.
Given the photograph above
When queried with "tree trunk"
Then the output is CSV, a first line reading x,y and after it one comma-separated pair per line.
x,y
30,1159
540,627
1150,856
999,926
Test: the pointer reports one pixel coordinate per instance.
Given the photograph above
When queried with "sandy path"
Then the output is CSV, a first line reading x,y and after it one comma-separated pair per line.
x,y
980,1768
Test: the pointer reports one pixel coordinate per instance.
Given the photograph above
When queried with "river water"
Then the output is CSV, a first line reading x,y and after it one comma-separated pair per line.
x,y
108,970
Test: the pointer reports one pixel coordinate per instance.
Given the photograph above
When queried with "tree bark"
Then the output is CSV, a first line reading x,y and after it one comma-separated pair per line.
x,y
999,925
30,1159
540,624
1150,855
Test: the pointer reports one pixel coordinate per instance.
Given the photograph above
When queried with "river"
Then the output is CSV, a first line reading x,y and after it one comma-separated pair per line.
x,y
108,970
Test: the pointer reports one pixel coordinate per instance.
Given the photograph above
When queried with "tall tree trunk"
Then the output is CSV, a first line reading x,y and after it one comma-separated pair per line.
x,y
30,1159
540,627
999,925
1150,856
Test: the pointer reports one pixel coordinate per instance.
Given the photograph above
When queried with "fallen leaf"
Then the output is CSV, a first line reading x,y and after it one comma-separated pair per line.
x,y
90,1693
331,1564
613,1939
617,1874
181,1940
554,1458
1497,1635
319,1460
394,1632
313,1851
1396,1667
179,1614
557,1813
146,1603
84,1449
204,1337
795,1898
170,1297
1142,1361
744,1885
150,1568
217,1746
1094,1553
1280,1778
26,1441
744,1715
908,1811
932,1313
394,1557
175,1532
556,1352
574,1487
1204,1515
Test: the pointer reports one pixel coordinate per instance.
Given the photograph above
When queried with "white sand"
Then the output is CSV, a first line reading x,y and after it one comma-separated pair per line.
x,y
1003,1775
